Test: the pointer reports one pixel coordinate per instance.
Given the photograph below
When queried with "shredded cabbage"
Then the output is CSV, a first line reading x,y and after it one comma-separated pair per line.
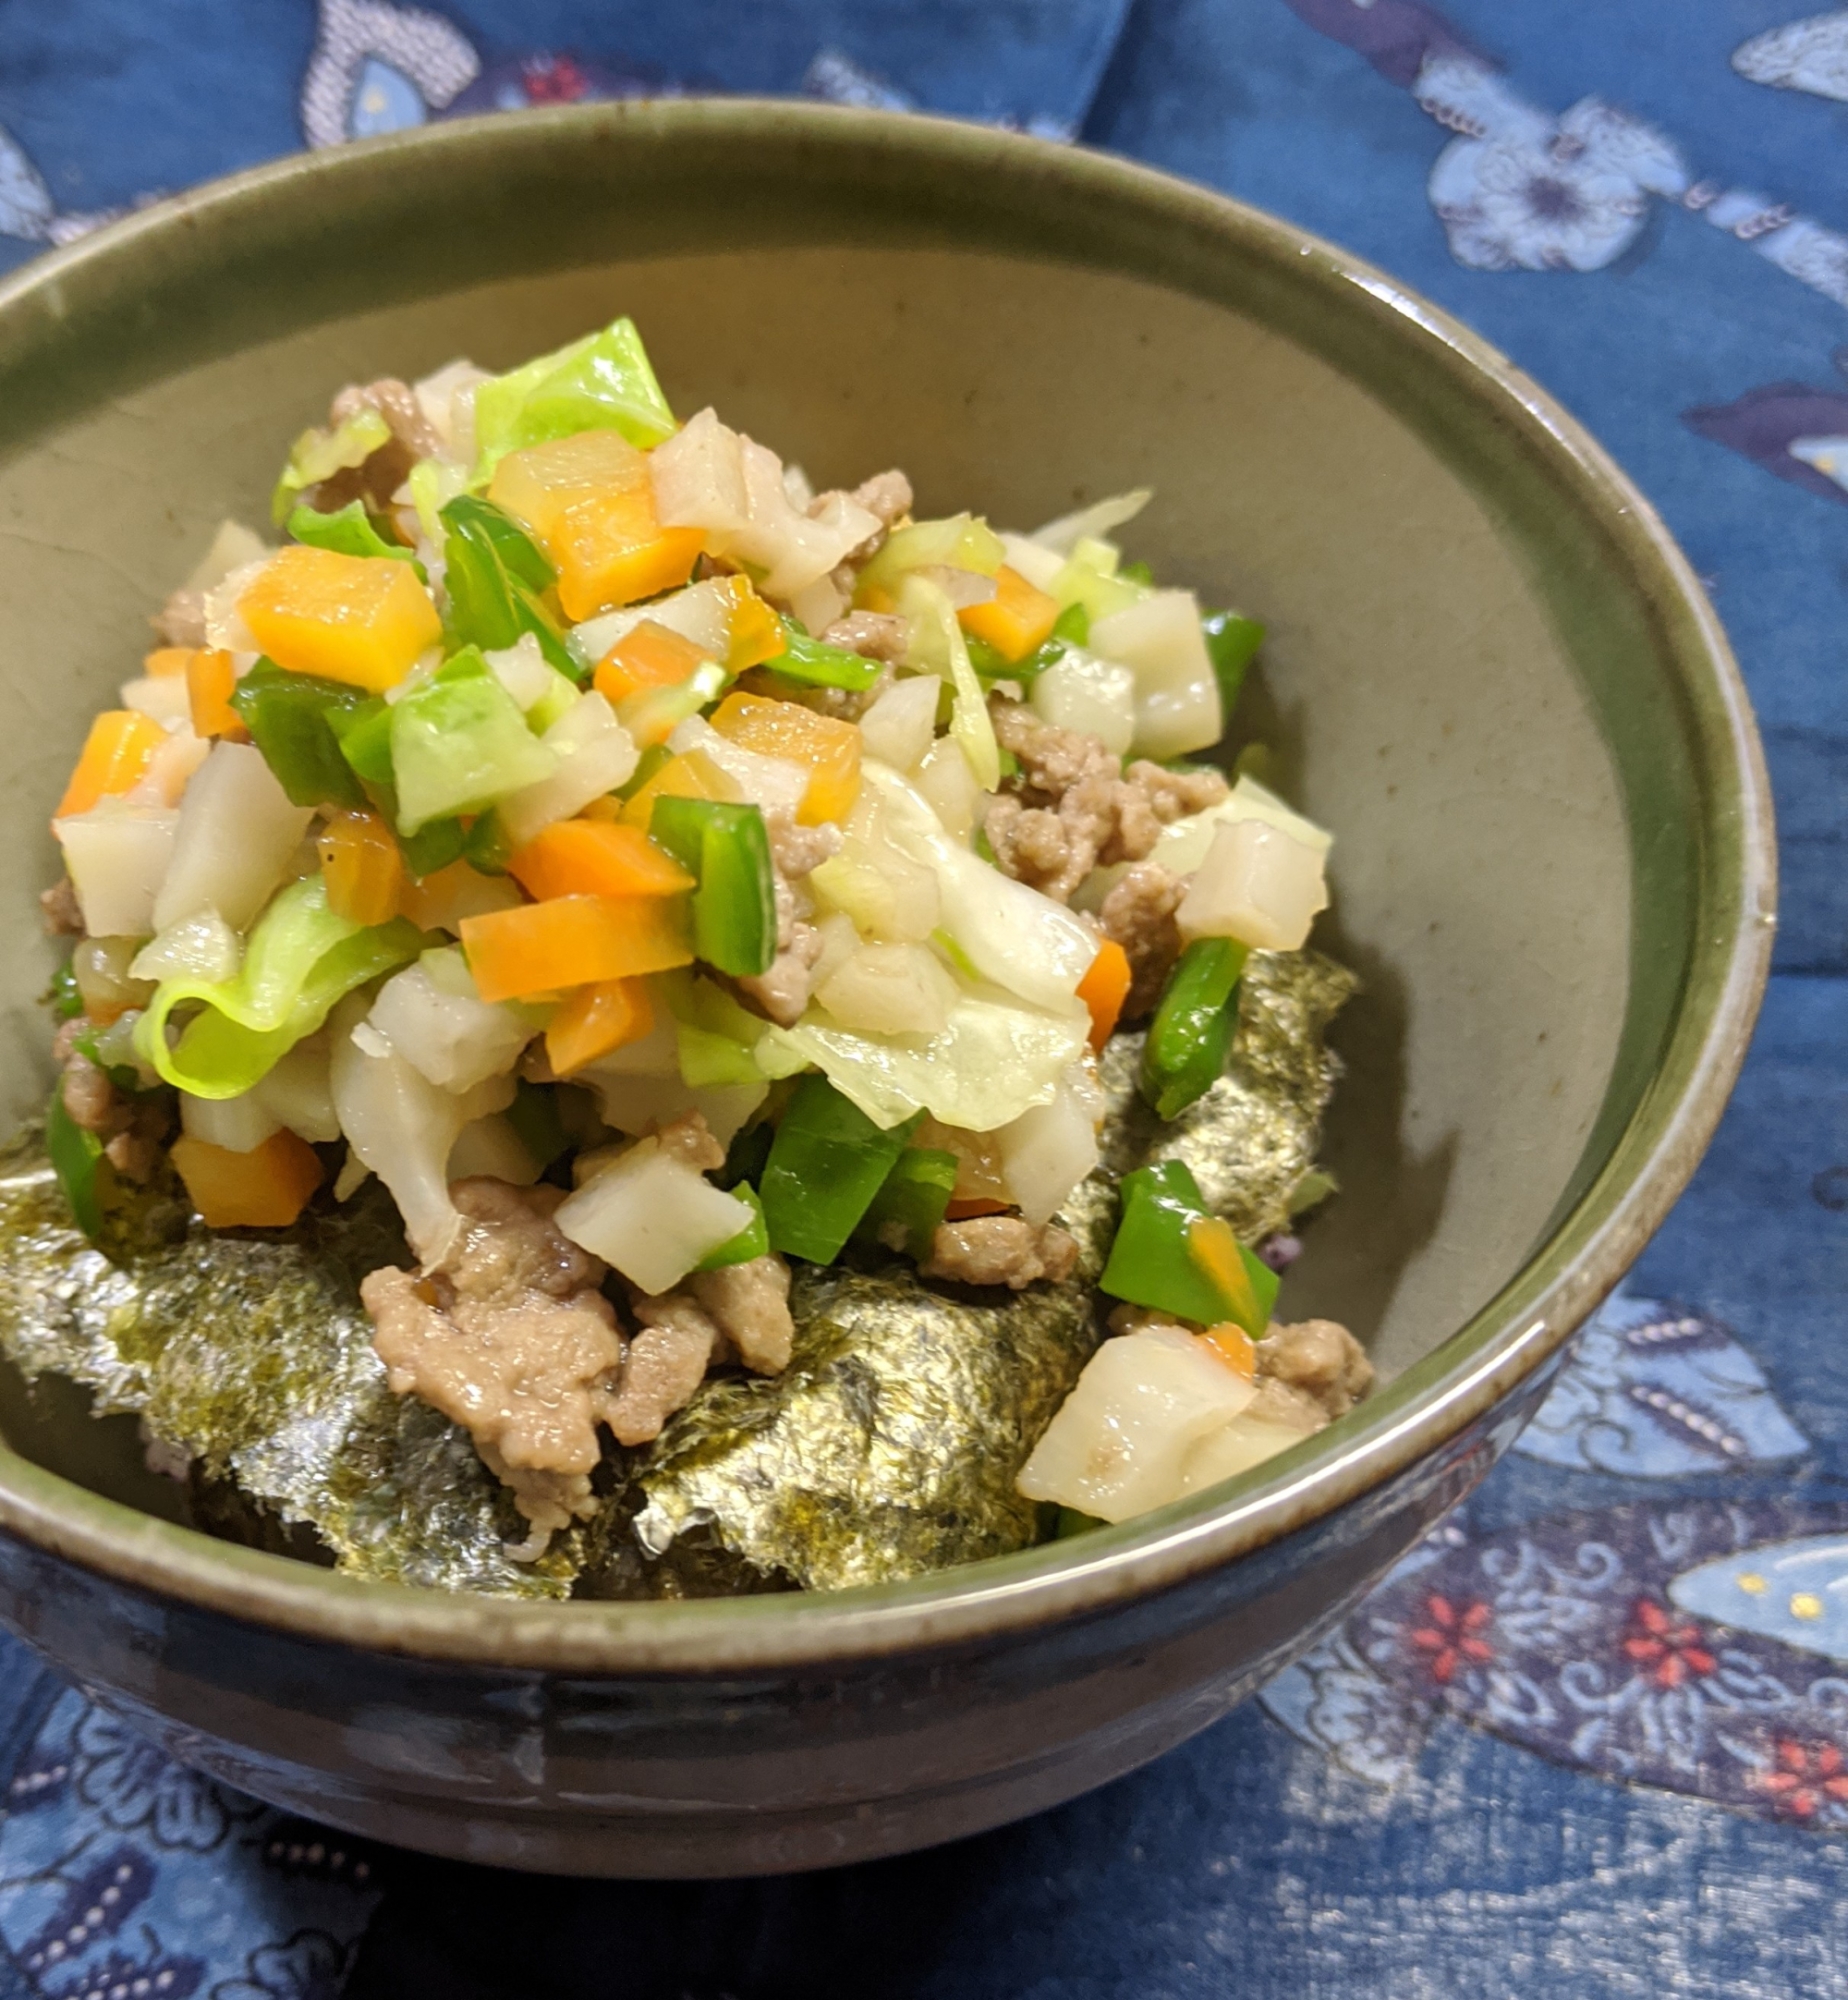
x,y
936,642
602,382
319,454
300,959
1092,523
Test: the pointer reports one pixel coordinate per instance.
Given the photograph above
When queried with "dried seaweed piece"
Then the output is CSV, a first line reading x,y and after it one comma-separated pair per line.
x,y
890,1445
251,1356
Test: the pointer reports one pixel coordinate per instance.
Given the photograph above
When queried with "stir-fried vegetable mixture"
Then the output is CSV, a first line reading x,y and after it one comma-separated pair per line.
x,y
654,871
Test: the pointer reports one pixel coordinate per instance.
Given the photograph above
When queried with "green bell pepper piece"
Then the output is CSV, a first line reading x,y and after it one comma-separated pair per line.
x,y
62,995
914,1195
747,1155
295,720
827,1162
348,531
1191,1034
494,574
77,1160
520,556
726,849
1072,627
533,1114
815,663
1152,1262
364,736
486,847
753,1240
1231,643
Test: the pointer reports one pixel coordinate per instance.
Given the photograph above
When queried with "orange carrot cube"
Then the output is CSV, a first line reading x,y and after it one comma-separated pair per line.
x,y
572,941
648,656
593,1020
266,1188
1016,620
115,755
363,868
612,550
757,632
1234,1346
693,776
210,679
363,620
587,857
166,662
1104,988
828,747
541,484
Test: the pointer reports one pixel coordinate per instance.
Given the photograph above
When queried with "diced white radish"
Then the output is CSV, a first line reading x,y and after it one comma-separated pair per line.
x,y
1236,1447
433,1016
170,770
1120,1440
1257,885
839,941
701,613
1084,691
770,782
889,989
224,621
203,946
963,587
799,487
817,604
459,891
595,754
237,837
944,778
299,1092
447,399
698,476
1033,560
233,547
522,670
238,1124
117,856
1177,693
1183,845
901,725
163,698
1048,1150
492,1147
651,1217
1092,523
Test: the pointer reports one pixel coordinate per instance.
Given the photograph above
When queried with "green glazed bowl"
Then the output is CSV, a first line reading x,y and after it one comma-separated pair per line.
x,y
1489,670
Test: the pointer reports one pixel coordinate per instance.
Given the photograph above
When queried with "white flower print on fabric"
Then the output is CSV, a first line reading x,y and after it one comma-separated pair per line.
x,y
1522,190
378,68
1809,55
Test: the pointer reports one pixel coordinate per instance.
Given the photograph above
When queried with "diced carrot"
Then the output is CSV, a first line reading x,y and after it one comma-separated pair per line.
x,y
115,754
266,1188
210,678
363,868
962,1209
827,746
1214,1248
612,550
605,807
757,632
693,776
574,941
543,482
1104,988
1015,620
593,1020
646,656
166,662
587,857
1234,1346
359,619
441,900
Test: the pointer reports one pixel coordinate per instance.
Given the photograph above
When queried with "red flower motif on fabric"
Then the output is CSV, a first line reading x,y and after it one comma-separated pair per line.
x,y
1666,1648
1804,1777
1453,1637
553,80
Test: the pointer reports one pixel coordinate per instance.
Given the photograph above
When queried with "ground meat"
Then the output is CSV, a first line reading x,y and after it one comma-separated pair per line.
x,y
397,403
1052,760
1173,795
688,1140
750,1304
665,1363
782,992
1317,1359
181,620
874,635
511,1338
59,907
1071,808
887,494
1139,914
1000,1250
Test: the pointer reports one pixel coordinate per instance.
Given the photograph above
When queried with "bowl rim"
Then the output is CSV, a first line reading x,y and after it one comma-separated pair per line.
x,y
1581,1258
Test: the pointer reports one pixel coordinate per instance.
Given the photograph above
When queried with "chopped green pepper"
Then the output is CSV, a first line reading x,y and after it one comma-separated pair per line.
x,y
913,1197
533,1114
747,1155
1071,628
77,1159
827,1162
753,1240
817,664
432,847
364,735
1136,572
348,531
1231,641
727,851
62,995
1156,1260
487,847
494,573
1191,1035
294,719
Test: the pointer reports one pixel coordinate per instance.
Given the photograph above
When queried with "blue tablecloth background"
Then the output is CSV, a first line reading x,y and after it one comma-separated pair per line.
x,y
1564,1750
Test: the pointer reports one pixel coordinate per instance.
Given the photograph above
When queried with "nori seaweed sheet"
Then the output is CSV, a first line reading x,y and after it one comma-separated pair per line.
x,y
888,1448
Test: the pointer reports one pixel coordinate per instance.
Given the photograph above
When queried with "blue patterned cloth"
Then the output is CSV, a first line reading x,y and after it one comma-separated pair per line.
x,y
1592,1738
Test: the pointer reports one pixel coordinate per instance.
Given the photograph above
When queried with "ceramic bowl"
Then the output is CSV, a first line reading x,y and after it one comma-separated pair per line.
x,y
1489,669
